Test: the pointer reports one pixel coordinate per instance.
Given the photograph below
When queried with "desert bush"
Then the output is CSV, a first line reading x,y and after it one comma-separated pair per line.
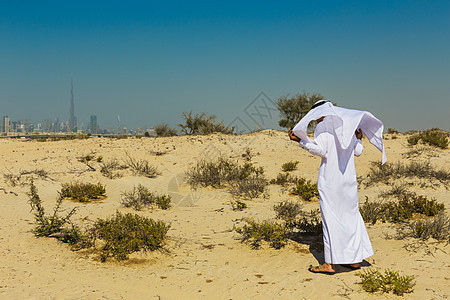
x,y
249,187
292,109
290,166
254,233
108,169
432,137
141,167
305,189
83,192
309,223
203,124
420,151
140,197
437,228
238,205
373,281
23,177
53,225
388,172
392,131
403,209
124,234
221,172
288,211
284,179
165,130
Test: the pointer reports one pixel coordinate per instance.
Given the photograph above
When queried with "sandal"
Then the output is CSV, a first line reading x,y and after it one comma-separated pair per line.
x,y
321,269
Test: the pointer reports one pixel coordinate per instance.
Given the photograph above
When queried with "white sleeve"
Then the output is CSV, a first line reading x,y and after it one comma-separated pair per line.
x,y
319,148
358,147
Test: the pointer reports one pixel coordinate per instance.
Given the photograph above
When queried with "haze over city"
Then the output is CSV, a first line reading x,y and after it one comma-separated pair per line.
x,y
148,62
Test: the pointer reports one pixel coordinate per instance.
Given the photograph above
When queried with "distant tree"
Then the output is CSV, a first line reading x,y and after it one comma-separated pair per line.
x,y
294,108
203,124
164,130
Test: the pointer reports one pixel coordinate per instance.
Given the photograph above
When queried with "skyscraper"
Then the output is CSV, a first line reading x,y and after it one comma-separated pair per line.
x,y
93,127
5,124
72,119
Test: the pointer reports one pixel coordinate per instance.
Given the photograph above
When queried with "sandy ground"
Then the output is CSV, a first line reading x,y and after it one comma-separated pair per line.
x,y
204,257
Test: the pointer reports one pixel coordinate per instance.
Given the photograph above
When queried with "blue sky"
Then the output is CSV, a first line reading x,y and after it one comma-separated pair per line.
x,y
150,61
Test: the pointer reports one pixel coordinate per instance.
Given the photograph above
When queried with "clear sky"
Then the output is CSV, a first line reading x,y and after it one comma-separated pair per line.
x,y
150,61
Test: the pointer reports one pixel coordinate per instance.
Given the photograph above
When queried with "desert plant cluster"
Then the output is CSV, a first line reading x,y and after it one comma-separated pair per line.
x,y
432,137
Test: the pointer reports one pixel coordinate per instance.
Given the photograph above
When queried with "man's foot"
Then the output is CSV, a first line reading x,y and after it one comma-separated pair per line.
x,y
323,269
355,266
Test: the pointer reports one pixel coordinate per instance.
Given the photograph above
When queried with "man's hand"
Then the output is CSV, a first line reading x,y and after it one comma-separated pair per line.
x,y
358,134
293,137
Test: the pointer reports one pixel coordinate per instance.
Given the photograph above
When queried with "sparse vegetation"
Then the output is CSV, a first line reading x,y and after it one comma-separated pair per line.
x,y
420,151
221,172
416,169
141,197
373,281
250,187
254,233
82,192
54,225
297,220
290,166
203,124
238,205
108,169
24,176
305,189
432,137
141,167
164,130
284,179
399,210
124,234
437,228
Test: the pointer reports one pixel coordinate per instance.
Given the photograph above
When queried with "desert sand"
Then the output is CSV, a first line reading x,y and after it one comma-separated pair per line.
x,y
203,257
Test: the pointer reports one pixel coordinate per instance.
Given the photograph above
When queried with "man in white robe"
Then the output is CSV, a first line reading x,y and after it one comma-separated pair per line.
x,y
345,237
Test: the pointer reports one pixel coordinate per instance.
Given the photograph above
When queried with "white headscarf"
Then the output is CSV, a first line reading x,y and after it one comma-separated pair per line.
x,y
345,123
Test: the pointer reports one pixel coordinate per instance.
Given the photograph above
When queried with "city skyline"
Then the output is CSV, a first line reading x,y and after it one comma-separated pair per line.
x,y
150,61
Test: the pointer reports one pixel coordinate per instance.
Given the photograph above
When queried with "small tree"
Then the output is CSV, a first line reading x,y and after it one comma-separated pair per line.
x,y
203,124
164,130
292,109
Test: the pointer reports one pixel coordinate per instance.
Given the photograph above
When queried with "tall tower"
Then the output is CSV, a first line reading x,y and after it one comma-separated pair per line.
x,y
72,123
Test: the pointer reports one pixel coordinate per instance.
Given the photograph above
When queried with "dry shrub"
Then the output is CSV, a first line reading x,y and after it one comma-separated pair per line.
x,y
203,124
23,177
140,197
250,187
164,130
437,228
238,205
298,221
420,151
141,167
221,172
290,166
83,192
108,169
416,169
284,179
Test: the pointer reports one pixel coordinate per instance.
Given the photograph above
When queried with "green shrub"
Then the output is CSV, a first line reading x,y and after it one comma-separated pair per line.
x,y
373,281
53,225
305,189
310,223
290,166
165,130
432,137
124,234
238,205
254,233
83,192
296,220
140,197
203,124
220,172
403,209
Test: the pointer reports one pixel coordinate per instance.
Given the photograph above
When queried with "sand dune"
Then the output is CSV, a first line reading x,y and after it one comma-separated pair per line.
x,y
204,257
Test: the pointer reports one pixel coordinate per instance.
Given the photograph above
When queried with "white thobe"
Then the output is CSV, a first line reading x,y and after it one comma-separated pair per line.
x,y
345,236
